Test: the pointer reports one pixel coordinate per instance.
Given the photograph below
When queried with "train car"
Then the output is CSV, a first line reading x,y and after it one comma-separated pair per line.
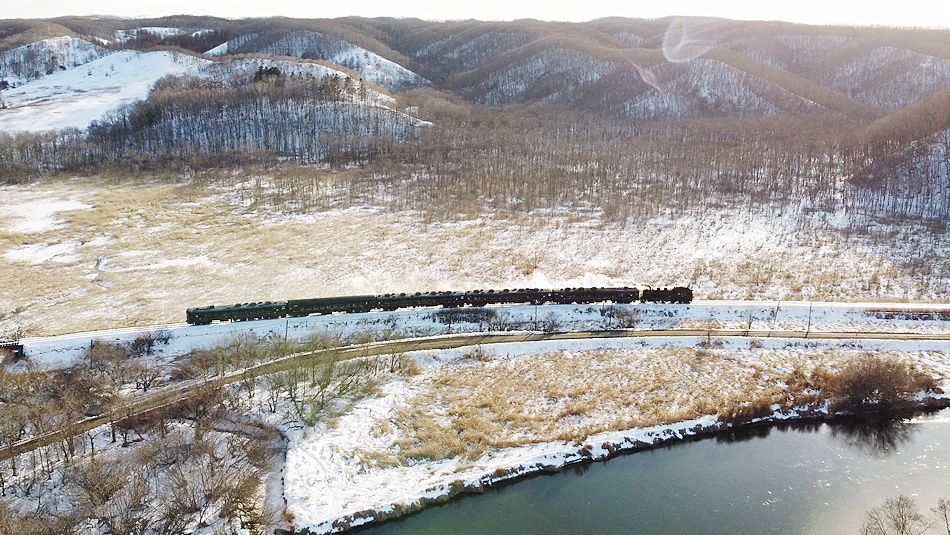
x,y
567,296
420,299
534,296
329,305
238,312
676,294
479,298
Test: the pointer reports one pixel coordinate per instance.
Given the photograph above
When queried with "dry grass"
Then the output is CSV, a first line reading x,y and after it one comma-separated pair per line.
x,y
480,405
563,396
372,459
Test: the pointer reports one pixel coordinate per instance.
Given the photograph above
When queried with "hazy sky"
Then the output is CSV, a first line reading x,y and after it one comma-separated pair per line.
x,y
927,13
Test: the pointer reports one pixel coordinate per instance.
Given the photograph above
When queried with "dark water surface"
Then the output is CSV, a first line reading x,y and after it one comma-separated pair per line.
x,y
797,479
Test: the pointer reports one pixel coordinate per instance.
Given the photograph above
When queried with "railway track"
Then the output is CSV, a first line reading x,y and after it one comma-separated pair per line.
x,y
175,395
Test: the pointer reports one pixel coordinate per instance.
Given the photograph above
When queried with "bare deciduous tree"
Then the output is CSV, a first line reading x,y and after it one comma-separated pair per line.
x,y
897,516
942,512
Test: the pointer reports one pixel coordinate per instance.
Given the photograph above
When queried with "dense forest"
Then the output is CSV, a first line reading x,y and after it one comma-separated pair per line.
x,y
633,118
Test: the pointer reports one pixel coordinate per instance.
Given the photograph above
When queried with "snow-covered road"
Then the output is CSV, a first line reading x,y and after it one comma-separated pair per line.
x,y
762,316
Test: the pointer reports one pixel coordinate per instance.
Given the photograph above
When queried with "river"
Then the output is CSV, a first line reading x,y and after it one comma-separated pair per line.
x,y
802,478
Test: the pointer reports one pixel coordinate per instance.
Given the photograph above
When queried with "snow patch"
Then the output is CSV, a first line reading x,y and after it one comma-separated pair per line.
x,y
37,253
40,216
178,263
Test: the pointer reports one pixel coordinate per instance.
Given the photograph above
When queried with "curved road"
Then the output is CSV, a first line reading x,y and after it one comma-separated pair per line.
x,y
174,395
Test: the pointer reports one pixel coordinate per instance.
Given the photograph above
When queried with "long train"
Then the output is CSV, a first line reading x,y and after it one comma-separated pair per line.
x,y
476,298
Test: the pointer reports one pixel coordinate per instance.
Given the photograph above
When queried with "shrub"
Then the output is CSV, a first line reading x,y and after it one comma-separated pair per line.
x,y
144,344
449,316
874,381
480,354
619,317
550,323
501,321
106,357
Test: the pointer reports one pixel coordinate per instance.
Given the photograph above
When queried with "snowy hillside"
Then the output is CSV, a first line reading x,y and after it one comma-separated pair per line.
x,y
73,98
35,60
314,45
890,77
695,88
916,177
794,53
227,67
465,52
707,87
534,76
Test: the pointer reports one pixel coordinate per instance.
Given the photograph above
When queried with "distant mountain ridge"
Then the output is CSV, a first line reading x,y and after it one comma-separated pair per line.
x,y
860,72
316,45
881,87
683,67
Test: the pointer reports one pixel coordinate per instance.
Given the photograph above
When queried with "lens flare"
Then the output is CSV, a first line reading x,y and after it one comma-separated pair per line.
x,y
680,43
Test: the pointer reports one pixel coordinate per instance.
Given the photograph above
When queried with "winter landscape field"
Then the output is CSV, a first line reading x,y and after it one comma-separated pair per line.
x,y
87,254
149,166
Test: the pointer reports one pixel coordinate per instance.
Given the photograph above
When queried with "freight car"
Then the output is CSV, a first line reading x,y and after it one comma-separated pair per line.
x,y
476,298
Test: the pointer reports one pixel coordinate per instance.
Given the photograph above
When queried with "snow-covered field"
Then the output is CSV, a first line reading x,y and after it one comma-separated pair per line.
x,y
86,254
82,255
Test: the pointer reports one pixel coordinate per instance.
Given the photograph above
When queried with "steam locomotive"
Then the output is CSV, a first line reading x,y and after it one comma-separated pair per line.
x,y
476,298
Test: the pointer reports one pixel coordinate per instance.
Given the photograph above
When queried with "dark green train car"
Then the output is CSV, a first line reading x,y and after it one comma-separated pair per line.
x,y
239,312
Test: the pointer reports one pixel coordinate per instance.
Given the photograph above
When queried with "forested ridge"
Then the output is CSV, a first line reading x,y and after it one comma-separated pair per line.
x,y
676,114
303,119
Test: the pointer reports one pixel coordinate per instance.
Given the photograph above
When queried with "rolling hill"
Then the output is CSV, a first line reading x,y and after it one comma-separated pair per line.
x,y
641,69
745,100
315,45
